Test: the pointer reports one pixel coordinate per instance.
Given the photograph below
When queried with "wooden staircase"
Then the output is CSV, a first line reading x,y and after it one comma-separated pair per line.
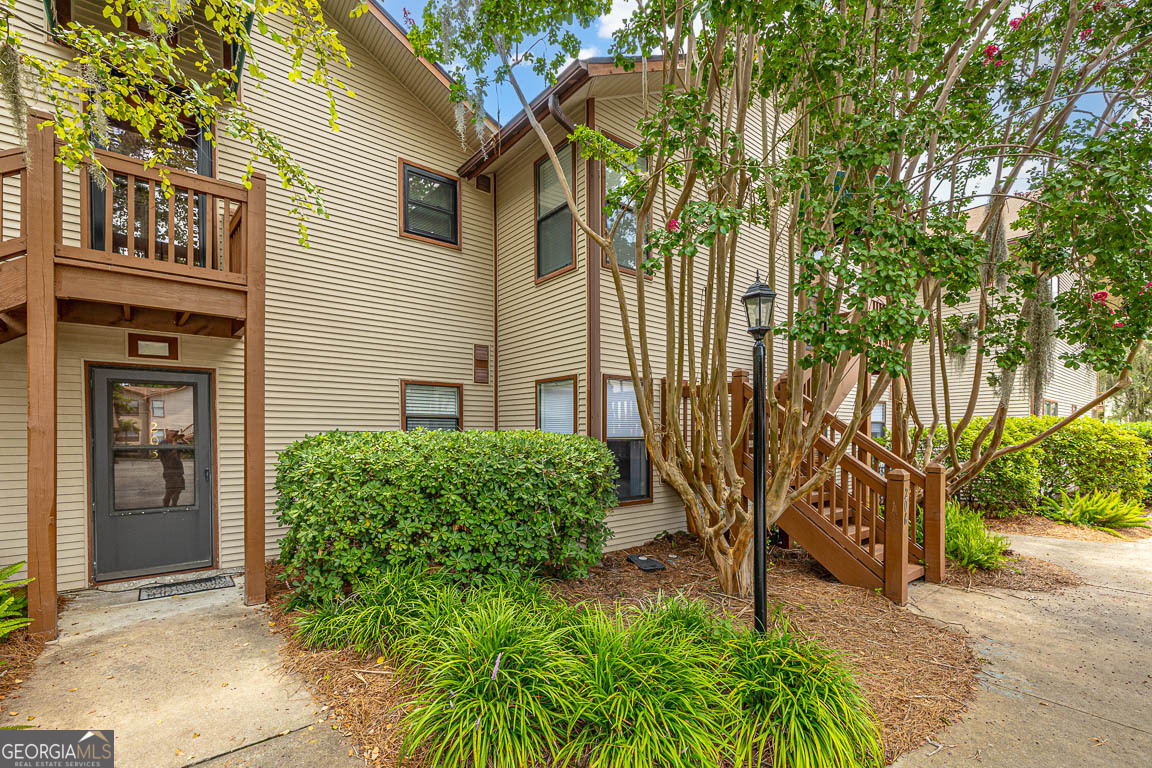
x,y
862,522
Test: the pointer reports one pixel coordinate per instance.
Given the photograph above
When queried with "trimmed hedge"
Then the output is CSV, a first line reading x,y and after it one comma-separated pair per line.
x,y
471,504
1143,430
1086,456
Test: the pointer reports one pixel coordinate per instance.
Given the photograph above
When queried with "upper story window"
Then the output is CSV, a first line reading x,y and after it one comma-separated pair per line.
x,y
555,227
430,406
1049,408
624,239
431,205
556,405
879,420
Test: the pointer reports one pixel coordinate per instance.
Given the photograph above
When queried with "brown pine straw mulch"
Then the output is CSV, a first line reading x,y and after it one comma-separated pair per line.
x,y
1022,572
18,654
918,675
1035,525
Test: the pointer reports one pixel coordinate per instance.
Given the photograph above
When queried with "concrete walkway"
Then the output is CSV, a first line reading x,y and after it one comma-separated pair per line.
x,y
1067,678
193,680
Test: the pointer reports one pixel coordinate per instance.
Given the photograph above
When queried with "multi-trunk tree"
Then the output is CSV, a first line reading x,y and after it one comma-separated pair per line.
x,y
856,134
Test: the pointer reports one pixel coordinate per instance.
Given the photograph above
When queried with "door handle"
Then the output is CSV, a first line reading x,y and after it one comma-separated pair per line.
x,y
208,474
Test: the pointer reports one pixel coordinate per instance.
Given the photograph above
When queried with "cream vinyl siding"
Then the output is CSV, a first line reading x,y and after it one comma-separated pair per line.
x,y
80,345
363,307
543,331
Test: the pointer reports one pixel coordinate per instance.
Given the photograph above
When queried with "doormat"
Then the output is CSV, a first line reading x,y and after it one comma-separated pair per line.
x,y
186,587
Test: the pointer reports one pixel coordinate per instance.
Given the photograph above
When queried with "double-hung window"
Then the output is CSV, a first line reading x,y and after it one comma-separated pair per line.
x,y
555,230
431,205
624,435
1050,408
624,239
556,406
431,406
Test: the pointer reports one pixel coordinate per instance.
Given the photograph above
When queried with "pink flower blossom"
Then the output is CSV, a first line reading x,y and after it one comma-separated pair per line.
x,y
1118,324
1015,23
990,51
1100,296
999,62
1085,33
673,225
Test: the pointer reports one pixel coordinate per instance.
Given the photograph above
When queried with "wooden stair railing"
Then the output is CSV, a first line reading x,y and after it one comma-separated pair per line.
x,y
859,522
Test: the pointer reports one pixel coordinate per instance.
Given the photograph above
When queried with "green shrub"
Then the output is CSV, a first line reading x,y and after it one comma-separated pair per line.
x,y
796,701
1143,430
1087,455
470,503
969,543
1105,511
13,605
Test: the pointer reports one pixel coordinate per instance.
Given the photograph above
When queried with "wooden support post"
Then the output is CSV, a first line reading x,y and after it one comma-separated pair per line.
x,y
254,394
739,404
39,209
935,497
896,537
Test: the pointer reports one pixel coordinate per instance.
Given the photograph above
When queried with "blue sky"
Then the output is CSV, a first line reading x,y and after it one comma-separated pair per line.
x,y
502,103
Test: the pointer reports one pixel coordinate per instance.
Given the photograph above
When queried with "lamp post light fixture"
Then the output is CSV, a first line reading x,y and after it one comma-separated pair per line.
x,y
758,301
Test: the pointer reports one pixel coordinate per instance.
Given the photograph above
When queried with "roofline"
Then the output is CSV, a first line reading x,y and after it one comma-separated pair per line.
x,y
570,79
381,14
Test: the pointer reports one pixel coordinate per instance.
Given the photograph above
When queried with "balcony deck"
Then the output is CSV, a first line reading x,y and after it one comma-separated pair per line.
x,y
146,260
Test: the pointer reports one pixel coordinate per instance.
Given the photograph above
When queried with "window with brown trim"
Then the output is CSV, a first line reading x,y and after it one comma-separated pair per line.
x,y
1049,408
624,436
555,227
556,405
431,405
430,207
624,239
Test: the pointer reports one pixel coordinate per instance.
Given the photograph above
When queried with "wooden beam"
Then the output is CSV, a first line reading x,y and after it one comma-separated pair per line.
x,y
896,537
39,215
13,283
254,515
128,312
103,283
12,323
935,503
182,318
143,319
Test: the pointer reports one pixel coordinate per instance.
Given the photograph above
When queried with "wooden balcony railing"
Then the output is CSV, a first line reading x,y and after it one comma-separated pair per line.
x,y
13,191
126,218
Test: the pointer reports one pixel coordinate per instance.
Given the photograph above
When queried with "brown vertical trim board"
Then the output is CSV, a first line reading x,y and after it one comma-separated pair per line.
x,y
495,313
595,394
575,399
254,446
41,327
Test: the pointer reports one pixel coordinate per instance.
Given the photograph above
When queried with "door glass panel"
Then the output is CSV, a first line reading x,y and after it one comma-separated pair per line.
x,y
153,478
152,414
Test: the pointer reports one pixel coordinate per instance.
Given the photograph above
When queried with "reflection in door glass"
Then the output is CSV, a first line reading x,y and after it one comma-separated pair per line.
x,y
153,478
149,414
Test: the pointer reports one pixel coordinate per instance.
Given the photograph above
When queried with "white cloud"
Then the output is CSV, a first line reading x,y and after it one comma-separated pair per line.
x,y
585,53
615,18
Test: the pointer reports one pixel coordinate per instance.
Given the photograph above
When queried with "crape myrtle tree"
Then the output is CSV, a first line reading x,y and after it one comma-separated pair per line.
x,y
158,82
854,134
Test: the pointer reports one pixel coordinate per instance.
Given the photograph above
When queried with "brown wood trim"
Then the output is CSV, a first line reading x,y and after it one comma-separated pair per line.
x,y
173,343
94,283
254,443
89,535
593,255
13,284
124,165
457,246
168,269
575,399
41,351
495,364
459,400
604,437
538,278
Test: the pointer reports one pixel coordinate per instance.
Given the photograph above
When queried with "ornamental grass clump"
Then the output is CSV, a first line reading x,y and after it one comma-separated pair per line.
x,y
647,696
797,705
969,543
496,688
1103,511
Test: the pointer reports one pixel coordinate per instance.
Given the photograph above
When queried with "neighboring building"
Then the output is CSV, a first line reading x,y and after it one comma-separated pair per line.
x,y
149,374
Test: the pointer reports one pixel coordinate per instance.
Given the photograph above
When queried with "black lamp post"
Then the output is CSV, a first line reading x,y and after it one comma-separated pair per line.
x,y
758,300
